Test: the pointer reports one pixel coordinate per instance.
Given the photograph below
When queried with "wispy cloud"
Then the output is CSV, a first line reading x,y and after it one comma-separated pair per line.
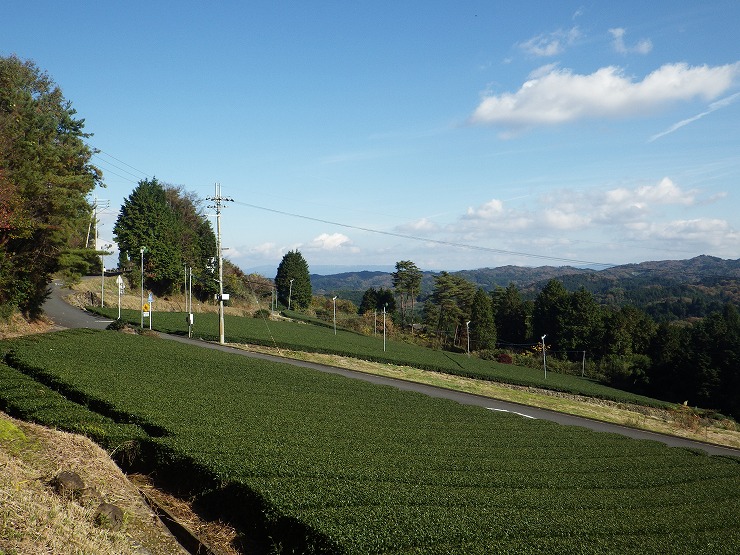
x,y
550,44
643,46
561,96
713,107
424,225
564,210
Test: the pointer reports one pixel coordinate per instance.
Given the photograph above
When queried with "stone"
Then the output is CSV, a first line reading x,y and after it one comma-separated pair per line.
x,y
68,484
109,516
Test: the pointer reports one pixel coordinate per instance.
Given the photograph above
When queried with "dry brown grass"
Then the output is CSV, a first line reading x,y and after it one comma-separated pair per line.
x,y
219,537
17,326
88,292
34,520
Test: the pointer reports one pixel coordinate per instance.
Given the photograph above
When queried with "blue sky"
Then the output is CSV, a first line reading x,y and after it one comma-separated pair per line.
x,y
458,135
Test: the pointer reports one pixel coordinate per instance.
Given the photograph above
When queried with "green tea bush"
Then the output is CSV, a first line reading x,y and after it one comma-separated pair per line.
x,y
526,369
319,463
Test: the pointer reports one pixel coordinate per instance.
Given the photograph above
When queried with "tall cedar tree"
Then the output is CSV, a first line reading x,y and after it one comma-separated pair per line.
x,y
45,176
293,267
482,326
512,315
168,223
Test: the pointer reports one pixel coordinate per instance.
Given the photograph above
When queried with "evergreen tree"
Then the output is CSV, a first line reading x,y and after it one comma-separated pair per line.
x,y
147,220
377,299
581,325
512,315
451,300
550,307
715,348
45,175
407,283
176,233
482,325
293,268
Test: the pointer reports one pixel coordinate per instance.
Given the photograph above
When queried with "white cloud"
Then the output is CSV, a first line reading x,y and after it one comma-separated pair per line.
x,y
564,219
421,225
560,96
542,71
569,210
265,249
550,44
708,234
490,209
643,46
331,242
664,192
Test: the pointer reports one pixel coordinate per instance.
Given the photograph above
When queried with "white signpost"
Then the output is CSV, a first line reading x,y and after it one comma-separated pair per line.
x,y
121,287
150,310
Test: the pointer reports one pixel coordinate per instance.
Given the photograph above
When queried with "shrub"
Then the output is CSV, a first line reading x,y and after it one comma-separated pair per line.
x,y
116,325
504,358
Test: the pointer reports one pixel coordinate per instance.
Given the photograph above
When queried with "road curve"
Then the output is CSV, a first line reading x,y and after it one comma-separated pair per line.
x,y
67,316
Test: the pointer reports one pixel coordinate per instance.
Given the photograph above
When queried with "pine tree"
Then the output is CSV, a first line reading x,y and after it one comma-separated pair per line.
x,y
293,282
407,283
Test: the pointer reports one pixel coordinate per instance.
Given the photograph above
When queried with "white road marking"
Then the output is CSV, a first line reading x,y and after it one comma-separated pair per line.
x,y
513,412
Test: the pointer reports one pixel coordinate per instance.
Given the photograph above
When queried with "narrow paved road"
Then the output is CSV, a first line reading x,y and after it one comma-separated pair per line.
x,y
67,316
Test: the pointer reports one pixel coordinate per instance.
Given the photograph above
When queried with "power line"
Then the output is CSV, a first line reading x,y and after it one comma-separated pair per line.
x,y
97,151
427,240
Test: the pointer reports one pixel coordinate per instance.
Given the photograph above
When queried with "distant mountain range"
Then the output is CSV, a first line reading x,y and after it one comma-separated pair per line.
x,y
704,282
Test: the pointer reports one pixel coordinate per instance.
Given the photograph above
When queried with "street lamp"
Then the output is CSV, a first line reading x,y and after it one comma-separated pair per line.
x,y
142,251
467,333
385,305
544,357
290,292
335,314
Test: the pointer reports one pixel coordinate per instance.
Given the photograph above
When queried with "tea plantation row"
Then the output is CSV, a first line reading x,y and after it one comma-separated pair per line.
x,y
305,337
318,463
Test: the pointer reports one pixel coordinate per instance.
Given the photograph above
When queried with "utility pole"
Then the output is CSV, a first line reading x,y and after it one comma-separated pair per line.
x,y
98,203
218,200
142,250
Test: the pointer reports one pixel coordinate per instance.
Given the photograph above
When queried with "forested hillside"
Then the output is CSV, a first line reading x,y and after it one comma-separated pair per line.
x,y
666,290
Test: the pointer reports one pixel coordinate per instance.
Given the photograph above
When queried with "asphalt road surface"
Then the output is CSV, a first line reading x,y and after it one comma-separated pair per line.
x,y
67,316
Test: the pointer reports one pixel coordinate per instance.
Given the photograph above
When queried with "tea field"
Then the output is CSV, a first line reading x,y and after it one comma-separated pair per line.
x,y
319,339
308,462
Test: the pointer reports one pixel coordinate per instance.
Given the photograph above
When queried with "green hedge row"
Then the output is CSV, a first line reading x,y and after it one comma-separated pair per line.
x,y
324,464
